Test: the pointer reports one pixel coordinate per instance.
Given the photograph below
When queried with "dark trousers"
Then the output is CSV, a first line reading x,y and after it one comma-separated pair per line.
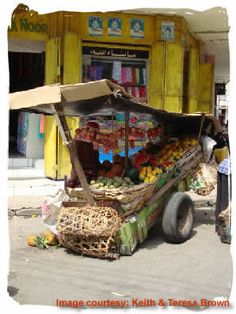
x,y
223,195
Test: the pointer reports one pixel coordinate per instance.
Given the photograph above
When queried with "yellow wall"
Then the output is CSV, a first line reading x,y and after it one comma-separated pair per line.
x,y
50,147
72,59
205,87
156,74
52,76
173,77
125,38
193,68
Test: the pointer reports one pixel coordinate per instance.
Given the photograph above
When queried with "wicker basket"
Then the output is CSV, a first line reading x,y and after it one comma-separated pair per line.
x,y
90,230
130,199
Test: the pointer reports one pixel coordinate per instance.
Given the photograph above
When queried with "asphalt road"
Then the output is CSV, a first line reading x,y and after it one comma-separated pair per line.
x,y
199,268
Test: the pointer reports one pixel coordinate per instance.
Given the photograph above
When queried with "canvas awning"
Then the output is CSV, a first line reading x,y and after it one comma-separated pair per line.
x,y
102,98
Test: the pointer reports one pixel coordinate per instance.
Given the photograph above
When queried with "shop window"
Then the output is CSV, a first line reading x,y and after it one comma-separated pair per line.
x,y
129,72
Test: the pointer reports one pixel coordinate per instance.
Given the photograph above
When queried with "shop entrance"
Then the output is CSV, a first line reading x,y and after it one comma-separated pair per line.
x,y
26,70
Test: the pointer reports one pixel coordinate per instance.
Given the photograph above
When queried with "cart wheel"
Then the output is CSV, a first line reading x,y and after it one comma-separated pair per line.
x,y
177,221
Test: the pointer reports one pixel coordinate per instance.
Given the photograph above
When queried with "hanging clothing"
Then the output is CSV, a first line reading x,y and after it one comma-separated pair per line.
x,y
144,76
22,131
126,75
141,76
116,71
41,126
135,91
92,73
142,92
137,76
99,70
134,79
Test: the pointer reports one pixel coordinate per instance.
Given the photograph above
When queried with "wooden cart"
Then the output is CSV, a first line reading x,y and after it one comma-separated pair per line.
x,y
167,199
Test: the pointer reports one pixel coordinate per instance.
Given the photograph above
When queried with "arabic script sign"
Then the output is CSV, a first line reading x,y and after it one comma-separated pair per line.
x,y
115,52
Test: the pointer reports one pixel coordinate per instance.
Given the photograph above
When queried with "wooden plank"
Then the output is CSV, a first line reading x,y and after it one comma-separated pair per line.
x,y
65,133
200,130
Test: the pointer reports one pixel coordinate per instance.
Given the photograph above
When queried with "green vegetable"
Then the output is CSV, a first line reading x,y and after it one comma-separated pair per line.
x,y
127,179
96,185
116,184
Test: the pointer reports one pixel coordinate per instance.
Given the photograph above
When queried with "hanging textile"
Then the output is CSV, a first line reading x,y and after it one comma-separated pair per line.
x,y
99,70
116,71
22,131
137,76
134,79
126,75
41,126
92,73
144,77
141,82
142,92
135,91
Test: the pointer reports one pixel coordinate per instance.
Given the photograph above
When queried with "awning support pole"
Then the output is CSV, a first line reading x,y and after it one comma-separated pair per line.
x,y
200,130
66,136
126,139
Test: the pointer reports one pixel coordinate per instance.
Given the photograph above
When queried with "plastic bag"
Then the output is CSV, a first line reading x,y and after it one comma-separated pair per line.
x,y
207,147
50,209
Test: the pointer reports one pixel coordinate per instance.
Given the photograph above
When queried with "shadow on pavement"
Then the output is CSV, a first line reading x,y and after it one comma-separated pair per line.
x,y
12,291
204,216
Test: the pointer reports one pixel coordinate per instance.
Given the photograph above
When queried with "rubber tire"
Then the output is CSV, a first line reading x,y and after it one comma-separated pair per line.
x,y
171,226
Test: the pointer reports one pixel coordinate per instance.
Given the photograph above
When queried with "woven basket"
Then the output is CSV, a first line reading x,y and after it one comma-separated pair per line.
x,y
90,230
131,199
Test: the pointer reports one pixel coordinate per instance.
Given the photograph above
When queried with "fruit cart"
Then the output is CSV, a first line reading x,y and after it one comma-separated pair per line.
x,y
110,216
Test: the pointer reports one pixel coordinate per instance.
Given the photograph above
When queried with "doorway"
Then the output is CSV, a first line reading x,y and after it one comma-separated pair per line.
x,y
26,71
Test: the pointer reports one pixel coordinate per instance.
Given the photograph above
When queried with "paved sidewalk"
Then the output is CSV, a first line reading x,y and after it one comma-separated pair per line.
x,y
27,188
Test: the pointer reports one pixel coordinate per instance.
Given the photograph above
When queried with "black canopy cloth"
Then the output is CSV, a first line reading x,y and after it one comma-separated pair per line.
x,y
97,98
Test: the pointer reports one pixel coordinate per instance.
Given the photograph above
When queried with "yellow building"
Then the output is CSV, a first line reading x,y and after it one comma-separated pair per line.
x,y
154,57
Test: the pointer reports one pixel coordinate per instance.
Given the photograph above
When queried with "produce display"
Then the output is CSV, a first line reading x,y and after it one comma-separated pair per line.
x,y
149,174
110,140
158,155
144,167
113,183
42,241
110,170
151,166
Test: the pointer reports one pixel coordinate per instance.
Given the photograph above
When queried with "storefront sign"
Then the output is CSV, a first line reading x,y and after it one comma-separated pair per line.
x,y
114,26
168,31
137,27
115,52
95,27
24,25
29,26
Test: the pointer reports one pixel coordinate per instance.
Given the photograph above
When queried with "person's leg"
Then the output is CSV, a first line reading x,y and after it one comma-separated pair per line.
x,y
218,200
225,191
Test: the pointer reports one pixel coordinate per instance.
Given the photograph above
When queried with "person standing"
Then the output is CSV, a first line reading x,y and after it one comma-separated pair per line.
x,y
224,189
